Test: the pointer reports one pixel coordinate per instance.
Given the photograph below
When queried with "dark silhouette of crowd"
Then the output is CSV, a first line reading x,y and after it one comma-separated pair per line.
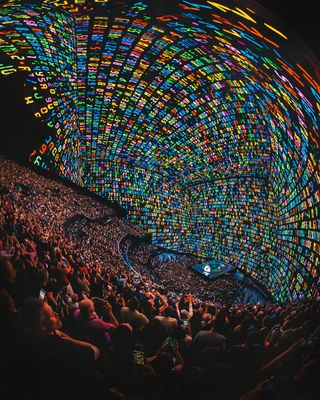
x,y
76,323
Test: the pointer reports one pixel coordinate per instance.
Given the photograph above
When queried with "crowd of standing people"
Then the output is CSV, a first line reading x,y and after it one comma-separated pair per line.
x,y
175,273
75,322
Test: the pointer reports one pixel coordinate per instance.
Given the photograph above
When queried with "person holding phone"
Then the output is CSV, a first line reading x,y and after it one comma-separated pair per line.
x,y
168,361
42,294
138,357
173,343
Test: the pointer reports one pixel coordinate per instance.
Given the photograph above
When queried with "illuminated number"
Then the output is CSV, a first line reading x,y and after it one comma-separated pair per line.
x,y
18,57
43,149
37,160
43,110
51,146
8,71
24,68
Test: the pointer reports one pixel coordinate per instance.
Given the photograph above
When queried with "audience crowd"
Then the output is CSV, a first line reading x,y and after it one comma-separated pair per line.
x,y
76,323
177,276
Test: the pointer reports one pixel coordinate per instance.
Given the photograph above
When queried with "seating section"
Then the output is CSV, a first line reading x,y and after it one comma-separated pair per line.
x,y
76,322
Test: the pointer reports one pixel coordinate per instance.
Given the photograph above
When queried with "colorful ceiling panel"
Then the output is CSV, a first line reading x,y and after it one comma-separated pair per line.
x,y
200,118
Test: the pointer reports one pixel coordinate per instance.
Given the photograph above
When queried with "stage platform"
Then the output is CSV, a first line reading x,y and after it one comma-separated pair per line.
x,y
213,269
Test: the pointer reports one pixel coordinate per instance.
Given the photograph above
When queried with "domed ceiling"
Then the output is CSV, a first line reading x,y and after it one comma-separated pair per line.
x,y
200,118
